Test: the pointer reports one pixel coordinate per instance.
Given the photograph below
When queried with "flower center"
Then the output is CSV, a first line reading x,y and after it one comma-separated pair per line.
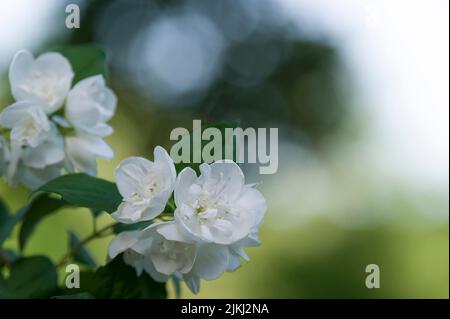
x,y
149,188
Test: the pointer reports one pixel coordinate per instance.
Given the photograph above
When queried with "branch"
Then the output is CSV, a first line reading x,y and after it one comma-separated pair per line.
x,y
76,248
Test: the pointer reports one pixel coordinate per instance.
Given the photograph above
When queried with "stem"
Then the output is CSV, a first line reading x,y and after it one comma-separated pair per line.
x,y
76,248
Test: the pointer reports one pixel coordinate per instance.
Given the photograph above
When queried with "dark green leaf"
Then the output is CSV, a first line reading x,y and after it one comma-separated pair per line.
x,y
2,281
4,211
7,254
85,191
95,212
6,293
86,60
7,221
42,206
150,289
118,228
81,295
118,280
33,277
81,255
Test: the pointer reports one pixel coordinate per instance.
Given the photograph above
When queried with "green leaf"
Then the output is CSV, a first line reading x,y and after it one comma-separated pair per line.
x,y
81,295
6,293
7,222
81,255
85,191
10,256
95,212
42,206
4,211
86,60
118,228
2,281
117,280
33,277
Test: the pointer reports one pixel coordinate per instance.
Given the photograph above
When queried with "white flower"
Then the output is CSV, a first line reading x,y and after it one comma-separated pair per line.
x,y
145,186
4,155
33,166
217,207
46,79
49,152
90,104
210,263
150,251
82,152
28,123
32,178
212,260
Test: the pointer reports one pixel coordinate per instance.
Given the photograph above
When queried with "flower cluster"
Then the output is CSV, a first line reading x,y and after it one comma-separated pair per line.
x,y
216,215
53,126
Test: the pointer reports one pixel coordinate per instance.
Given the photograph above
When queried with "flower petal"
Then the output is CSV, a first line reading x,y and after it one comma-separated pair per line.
x,y
82,152
185,179
164,162
193,282
211,261
229,176
46,79
90,104
129,174
128,213
122,242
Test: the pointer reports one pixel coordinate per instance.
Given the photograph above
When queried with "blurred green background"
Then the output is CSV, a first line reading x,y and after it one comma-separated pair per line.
x,y
362,111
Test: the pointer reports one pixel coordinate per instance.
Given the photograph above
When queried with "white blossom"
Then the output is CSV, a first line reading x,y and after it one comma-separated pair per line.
x,y
217,207
145,186
90,104
46,79
82,152
28,123
33,166
149,251
32,178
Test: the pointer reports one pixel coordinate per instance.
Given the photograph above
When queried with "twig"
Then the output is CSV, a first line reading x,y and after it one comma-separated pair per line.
x,y
76,248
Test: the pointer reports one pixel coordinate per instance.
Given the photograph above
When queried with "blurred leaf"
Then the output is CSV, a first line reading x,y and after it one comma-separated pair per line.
x,y
81,295
33,213
86,60
7,221
4,211
6,293
117,280
2,281
9,254
81,255
85,191
33,277
118,228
